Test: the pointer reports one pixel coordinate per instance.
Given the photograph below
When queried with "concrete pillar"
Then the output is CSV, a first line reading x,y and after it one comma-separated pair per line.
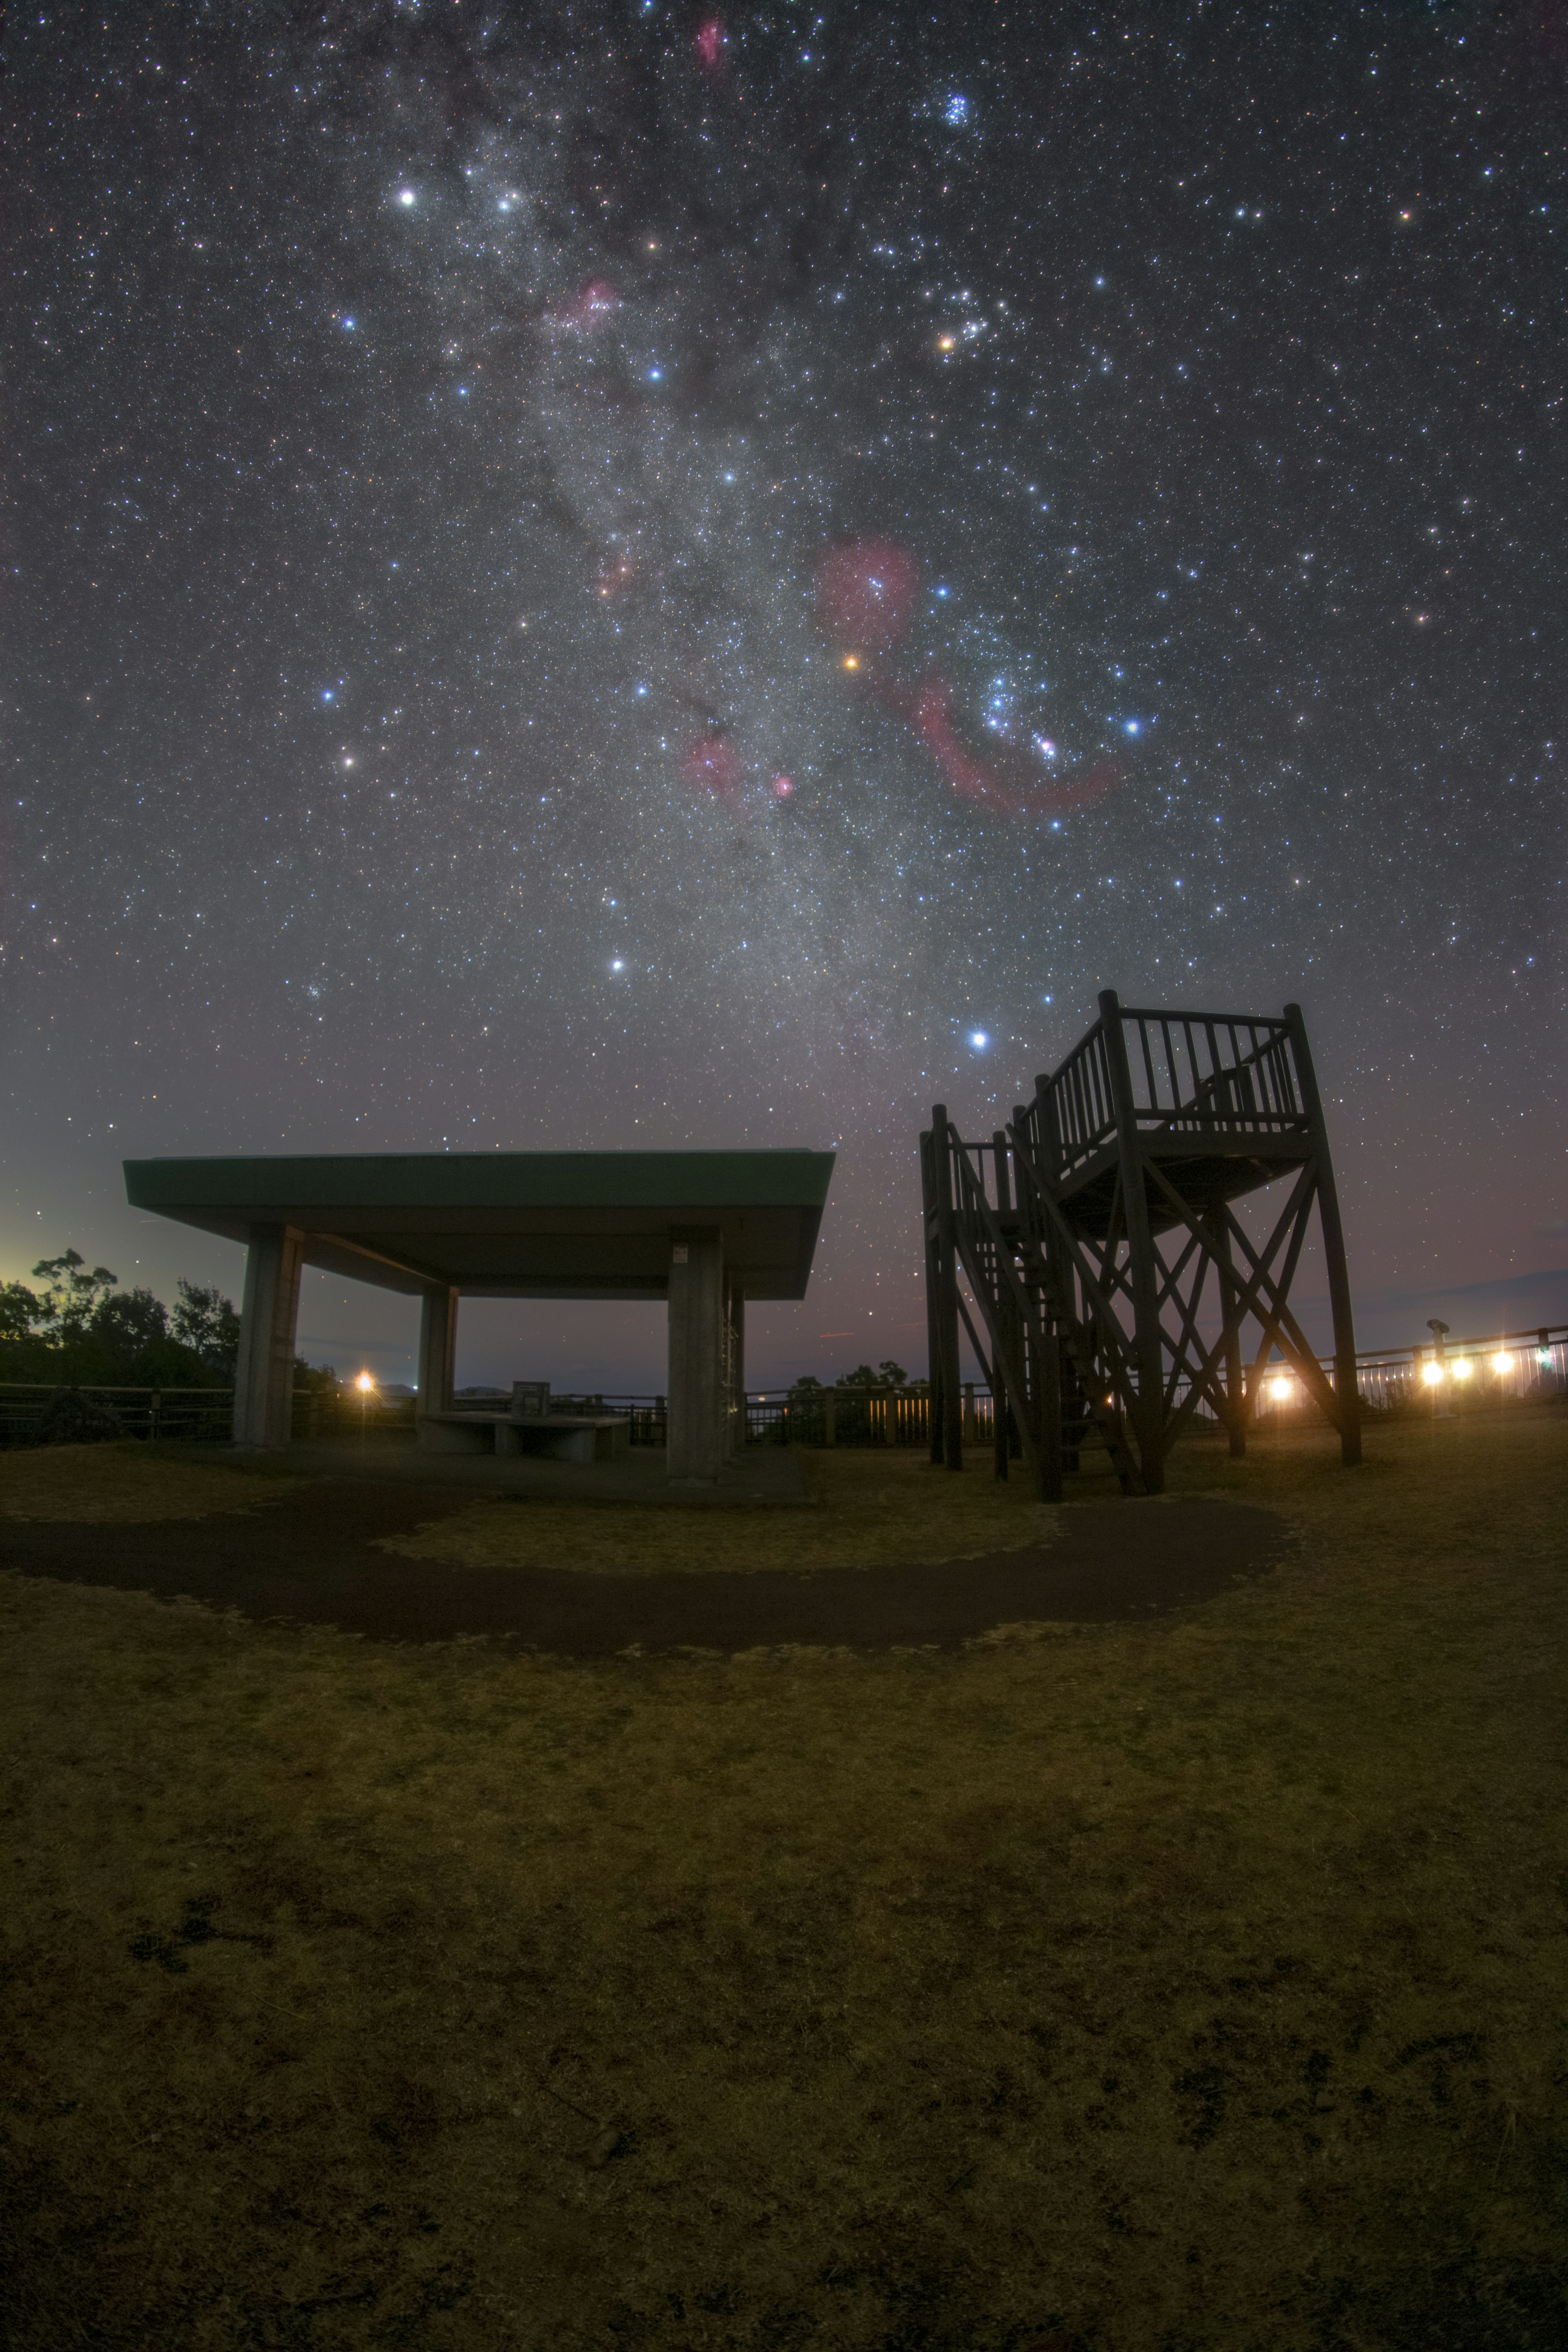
x,y
735,1310
698,1424
264,1371
438,1350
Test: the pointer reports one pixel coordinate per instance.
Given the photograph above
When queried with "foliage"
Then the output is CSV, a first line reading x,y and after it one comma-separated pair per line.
x,y
888,1375
81,1328
809,1390
20,1308
206,1322
70,1297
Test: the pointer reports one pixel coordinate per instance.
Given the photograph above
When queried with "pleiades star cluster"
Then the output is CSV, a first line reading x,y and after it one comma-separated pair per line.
x,y
590,576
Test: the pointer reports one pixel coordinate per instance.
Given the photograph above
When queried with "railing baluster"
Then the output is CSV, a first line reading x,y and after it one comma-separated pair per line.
x,y
1148,1064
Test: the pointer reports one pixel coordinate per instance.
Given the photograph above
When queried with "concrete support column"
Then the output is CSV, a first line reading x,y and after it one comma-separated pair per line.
x,y
735,1316
264,1371
697,1423
438,1350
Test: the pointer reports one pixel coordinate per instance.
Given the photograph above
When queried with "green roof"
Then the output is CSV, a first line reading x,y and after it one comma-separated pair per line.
x,y
511,1223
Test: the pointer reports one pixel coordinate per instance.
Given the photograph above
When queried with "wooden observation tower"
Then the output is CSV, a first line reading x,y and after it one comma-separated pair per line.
x,y
1089,1230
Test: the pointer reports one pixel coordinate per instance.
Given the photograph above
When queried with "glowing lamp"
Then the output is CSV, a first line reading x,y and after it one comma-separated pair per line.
x,y
1503,1361
365,1383
1463,1368
1432,1373
1543,1355
1279,1390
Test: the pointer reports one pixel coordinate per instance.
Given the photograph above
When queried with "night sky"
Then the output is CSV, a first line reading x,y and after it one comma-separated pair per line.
x,y
591,576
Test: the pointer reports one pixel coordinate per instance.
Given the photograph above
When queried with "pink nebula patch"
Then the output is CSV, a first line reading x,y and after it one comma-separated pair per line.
x,y
865,593
783,788
1007,781
712,764
588,309
708,41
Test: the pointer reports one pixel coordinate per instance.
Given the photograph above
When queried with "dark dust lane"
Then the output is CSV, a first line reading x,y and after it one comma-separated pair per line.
x,y
309,1560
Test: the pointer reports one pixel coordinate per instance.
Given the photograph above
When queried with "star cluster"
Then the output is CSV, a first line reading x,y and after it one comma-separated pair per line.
x,y
594,575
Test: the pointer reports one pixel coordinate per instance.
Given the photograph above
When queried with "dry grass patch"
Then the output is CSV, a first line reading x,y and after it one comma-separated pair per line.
x,y
868,1510
1193,1987
128,1483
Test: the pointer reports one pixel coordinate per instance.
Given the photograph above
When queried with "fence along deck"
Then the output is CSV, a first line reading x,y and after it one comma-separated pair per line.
x,y
1091,1227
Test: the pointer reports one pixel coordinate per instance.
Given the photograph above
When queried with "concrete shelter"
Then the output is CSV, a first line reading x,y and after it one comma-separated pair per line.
x,y
703,1230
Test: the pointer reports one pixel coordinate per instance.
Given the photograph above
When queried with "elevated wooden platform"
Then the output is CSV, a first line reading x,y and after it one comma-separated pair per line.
x,y
1089,1230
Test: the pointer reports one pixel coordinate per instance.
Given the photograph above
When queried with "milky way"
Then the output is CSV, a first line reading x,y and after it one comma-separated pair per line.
x,y
631,576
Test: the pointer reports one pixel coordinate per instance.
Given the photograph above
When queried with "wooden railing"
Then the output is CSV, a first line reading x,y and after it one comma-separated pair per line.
x,y
1232,1073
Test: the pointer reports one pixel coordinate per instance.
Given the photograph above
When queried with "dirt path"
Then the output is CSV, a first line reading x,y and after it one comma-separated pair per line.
x,y
310,1558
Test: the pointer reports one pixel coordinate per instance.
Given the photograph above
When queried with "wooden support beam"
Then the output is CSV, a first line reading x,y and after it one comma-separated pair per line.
x,y
1334,1244
1148,1353
941,1140
929,1229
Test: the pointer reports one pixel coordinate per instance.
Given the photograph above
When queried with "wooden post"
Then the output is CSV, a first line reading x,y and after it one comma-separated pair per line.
x,y
1236,1394
947,1291
1346,1393
933,1290
1046,1386
1147,1351
1004,1207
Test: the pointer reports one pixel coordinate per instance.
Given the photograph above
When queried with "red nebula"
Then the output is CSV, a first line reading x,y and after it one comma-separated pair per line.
x,y
783,788
864,593
712,764
588,309
709,42
1006,780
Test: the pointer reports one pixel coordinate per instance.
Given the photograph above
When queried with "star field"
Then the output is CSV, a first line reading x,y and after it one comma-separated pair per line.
x,y
594,575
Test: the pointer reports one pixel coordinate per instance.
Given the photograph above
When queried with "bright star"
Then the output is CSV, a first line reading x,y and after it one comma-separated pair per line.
x,y
979,1040
405,196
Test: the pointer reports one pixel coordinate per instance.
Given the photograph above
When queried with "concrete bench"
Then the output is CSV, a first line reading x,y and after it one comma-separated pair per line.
x,y
557,1436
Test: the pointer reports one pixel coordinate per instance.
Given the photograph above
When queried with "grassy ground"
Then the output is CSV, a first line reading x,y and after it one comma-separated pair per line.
x,y
1181,1986
869,1510
126,1482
